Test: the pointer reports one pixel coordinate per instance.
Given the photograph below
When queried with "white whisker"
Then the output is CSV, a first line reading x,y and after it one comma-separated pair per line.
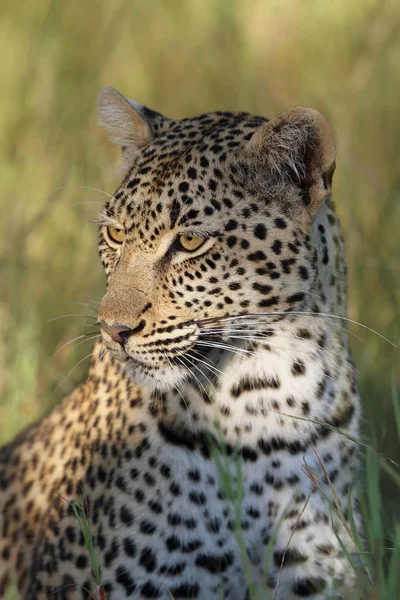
x,y
83,187
204,375
244,352
301,313
72,370
210,366
87,202
89,306
102,353
85,335
178,390
70,315
265,333
232,349
273,346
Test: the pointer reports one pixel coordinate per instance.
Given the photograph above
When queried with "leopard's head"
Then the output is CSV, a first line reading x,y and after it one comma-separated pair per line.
x,y
212,221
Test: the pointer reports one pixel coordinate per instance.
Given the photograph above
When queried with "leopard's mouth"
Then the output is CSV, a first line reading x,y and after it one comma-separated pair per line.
x,y
196,359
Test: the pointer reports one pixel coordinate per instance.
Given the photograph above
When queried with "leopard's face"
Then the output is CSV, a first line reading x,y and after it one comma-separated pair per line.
x,y
192,239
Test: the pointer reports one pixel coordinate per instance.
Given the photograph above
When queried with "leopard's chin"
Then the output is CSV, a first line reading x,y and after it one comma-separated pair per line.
x,y
162,378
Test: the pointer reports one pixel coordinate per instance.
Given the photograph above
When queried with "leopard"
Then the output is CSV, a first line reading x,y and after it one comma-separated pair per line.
x,y
213,446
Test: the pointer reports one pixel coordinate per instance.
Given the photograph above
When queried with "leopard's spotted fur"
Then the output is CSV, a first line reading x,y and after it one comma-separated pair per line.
x,y
197,434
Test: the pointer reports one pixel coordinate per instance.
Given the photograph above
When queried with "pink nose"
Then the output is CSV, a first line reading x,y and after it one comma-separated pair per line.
x,y
120,333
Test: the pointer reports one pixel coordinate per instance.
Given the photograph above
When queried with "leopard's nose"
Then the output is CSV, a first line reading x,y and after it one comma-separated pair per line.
x,y
120,333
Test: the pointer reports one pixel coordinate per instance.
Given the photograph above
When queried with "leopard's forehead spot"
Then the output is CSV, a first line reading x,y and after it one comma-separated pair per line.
x,y
185,177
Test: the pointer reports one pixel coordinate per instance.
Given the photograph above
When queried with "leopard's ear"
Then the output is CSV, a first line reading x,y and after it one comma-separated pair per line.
x,y
297,147
129,124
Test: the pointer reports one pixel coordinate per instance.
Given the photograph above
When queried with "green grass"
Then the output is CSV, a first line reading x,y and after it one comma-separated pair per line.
x,y
181,58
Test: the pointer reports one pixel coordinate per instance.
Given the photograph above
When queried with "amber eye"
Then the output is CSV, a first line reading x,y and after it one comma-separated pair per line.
x,y
191,243
116,235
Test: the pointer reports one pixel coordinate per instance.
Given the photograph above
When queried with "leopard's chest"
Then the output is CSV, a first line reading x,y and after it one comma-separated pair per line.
x,y
177,514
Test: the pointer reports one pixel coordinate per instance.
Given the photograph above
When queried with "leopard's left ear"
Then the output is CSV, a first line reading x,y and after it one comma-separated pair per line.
x,y
298,148
129,124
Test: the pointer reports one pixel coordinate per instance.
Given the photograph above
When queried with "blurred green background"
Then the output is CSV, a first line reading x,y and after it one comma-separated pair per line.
x,y
183,57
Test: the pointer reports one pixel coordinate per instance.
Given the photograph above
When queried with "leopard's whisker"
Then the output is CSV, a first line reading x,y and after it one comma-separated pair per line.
x,y
233,349
265,333
306,314
335,355
256,334
204,375
102,353
87,202
181,394
84,335
89,306
181,359
82,187
243,351
237,350
186,405
208,365
70,315
73,369
93,337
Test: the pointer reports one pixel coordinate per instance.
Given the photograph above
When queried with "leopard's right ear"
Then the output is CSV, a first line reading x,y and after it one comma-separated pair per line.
x,y
129,124
296,148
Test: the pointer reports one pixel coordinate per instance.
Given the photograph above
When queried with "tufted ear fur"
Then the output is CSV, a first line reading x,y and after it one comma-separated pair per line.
x,y
129,124
297,147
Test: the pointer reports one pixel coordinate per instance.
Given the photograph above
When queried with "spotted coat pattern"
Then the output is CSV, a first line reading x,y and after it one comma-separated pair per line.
x,y
214,426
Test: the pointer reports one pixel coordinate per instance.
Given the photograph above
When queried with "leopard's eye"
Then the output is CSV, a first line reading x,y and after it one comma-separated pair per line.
x,y
191,242
116,234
